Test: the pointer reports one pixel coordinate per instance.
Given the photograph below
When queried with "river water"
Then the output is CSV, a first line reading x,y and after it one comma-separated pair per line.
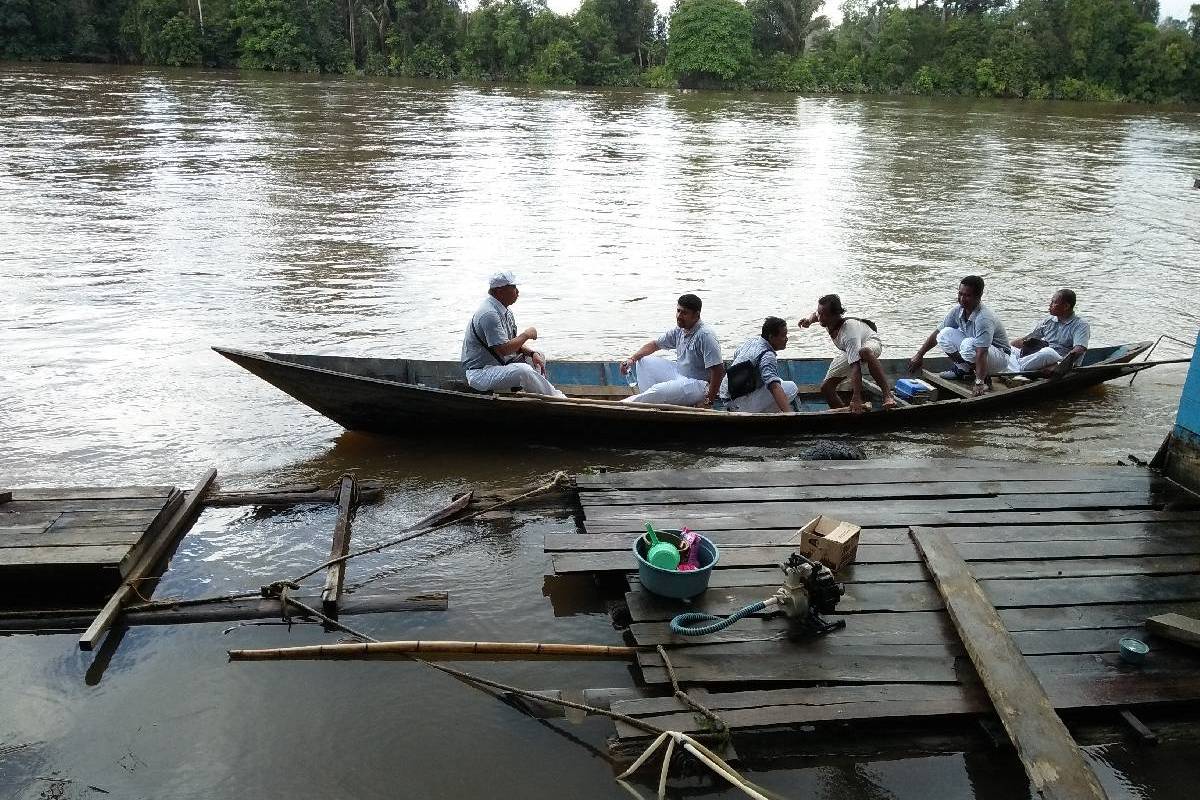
x,y
147,215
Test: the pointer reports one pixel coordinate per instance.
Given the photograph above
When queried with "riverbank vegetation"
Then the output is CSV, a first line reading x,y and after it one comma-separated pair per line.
x,y
1072,49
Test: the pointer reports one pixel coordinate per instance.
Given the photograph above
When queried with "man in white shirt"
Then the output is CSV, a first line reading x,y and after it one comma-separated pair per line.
x,y
694,378
494,356
857,342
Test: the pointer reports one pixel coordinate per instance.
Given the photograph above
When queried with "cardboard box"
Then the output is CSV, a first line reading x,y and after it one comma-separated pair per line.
x,y
833,542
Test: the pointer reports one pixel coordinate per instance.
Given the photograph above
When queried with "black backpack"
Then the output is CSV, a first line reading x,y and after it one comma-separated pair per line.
x,y
745,377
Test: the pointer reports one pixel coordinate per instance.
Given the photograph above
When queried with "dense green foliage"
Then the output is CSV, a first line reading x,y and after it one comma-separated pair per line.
x,y
1073,49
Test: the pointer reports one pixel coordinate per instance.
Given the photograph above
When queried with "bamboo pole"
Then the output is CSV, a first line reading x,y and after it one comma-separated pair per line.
x,y
369,650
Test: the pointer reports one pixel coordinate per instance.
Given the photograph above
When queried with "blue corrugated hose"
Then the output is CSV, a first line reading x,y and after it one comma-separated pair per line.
x,y
680,624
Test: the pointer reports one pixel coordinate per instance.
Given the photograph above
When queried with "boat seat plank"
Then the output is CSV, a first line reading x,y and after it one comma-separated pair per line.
x,y
951,387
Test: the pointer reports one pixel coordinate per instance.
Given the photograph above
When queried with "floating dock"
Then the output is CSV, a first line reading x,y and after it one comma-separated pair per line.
x,y
1073,558
89,538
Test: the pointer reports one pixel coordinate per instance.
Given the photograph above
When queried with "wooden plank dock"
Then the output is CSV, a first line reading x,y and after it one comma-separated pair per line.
x,y
1072,557
85,537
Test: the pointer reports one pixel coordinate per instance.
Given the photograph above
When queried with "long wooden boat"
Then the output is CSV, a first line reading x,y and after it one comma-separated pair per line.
x,y
412,397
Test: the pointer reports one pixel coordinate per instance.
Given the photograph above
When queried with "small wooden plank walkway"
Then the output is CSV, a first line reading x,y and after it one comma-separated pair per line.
x,y
1072,557
87,536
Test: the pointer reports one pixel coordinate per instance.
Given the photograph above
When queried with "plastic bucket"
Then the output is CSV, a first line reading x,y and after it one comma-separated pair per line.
x,y
669,582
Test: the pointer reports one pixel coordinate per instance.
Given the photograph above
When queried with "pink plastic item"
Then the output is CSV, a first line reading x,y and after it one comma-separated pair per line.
x,y
687,540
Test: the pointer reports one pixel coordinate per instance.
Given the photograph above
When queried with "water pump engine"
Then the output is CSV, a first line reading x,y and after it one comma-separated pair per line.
x,y
808,591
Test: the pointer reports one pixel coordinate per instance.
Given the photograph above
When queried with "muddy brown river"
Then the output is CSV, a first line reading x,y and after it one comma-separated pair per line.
x,y
148,215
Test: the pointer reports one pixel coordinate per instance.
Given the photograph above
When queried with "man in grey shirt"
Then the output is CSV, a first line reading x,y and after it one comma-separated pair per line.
x,y
772,392
1057,343
494,356
694,378
971,336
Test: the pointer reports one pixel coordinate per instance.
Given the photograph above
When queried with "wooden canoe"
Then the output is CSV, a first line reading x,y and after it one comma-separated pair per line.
x,y
412,397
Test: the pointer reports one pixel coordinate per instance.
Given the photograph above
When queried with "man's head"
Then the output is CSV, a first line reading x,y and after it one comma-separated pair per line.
x,y
829,310
503,287
687,311
1063,303
775,331
970,292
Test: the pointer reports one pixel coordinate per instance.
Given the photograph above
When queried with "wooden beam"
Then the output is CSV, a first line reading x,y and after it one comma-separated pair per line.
x,y
218,611
945,385
175,527
368,492
1176,627
1052,760
335,576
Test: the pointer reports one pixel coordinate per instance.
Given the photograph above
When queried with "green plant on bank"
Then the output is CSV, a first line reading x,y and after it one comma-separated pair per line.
x,y
1094,50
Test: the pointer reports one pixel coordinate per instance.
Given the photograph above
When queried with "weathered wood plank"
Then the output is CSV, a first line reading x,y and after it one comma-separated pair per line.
x,y
253,608
174,528
870,554
908,597
92,493
99,556
842,472
841,666
1055,766
949,387
335,576
104,504
1176,627
73,538
104,519
871,702
883,518
1019,534
24,522
933,627
916,489
800,512
984,570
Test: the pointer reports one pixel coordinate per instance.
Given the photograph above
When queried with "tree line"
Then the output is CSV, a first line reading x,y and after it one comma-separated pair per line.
x,y
1070,49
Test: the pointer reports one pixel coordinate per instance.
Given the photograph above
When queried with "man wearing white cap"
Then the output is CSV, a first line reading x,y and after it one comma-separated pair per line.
x,y
494,355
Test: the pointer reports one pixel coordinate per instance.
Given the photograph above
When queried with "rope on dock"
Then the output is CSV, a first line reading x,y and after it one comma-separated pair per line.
x,y
718,724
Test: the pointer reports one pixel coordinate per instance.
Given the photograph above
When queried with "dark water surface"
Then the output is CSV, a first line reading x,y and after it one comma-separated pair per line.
x,y
145,216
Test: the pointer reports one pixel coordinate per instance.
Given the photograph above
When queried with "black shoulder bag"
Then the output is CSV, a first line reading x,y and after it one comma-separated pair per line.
x,y
745,377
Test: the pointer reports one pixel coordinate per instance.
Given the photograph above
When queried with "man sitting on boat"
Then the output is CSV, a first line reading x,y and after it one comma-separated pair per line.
x,y
1057,343
694,378
858,342
971,336
494,355
752,383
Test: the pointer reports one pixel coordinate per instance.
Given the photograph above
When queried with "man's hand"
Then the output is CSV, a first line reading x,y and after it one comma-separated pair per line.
x,y
979,389
915,363
539,361
705,403
627,365
529,333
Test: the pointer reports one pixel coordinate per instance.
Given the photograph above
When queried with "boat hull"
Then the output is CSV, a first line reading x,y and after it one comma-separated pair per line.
x,y
400,397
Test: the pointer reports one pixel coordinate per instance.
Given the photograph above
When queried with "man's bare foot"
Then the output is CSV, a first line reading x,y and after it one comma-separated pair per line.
x,y
889,402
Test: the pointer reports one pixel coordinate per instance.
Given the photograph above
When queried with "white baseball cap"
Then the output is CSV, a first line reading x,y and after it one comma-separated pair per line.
x,y
502,279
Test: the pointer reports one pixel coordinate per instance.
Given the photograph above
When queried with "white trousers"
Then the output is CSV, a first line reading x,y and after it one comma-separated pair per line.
x,y
508,376
660,382
1046,357
761,401
951,340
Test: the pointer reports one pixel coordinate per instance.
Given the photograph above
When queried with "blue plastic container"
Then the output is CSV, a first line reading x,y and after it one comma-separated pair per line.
x,y
669,582
910,388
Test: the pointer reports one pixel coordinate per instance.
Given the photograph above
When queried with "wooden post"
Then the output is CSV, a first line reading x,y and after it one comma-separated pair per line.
x,y
1055,766
176,526
335,577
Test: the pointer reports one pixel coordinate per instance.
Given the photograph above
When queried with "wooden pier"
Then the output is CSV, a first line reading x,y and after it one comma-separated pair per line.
x,y
86,537
1073,558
